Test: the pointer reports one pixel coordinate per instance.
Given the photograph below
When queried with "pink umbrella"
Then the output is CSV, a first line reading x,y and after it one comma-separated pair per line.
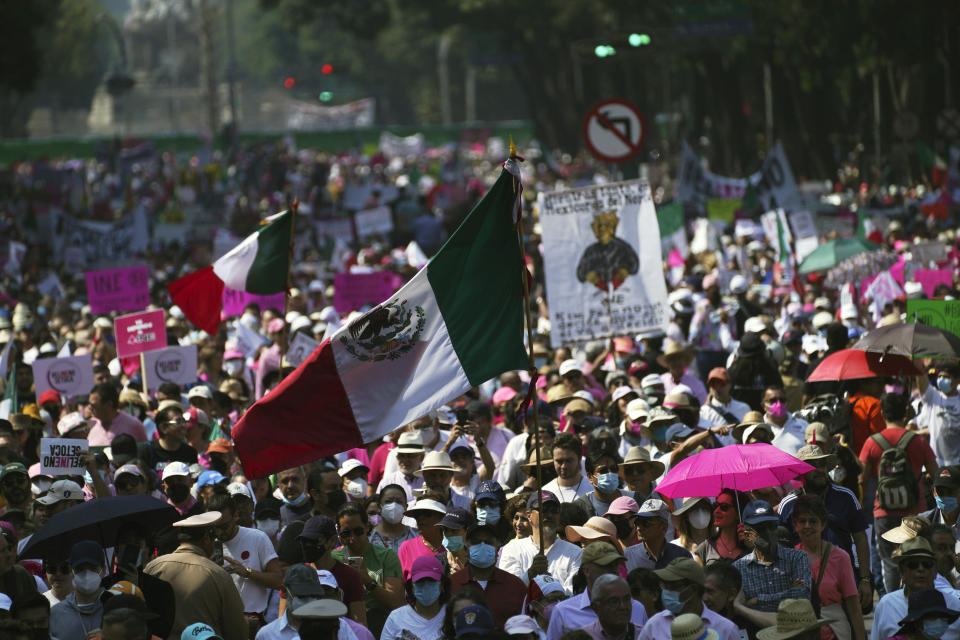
x,y
741,466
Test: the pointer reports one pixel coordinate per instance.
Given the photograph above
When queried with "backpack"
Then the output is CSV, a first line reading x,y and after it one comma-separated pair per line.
x,y
896,484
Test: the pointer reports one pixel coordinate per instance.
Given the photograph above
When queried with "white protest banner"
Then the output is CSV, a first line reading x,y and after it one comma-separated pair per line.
x,y
300,347
52,287
306,116
248,340
394,146
360,196
371,222
70,377
173,364
603,262
105,243
63,457
773,184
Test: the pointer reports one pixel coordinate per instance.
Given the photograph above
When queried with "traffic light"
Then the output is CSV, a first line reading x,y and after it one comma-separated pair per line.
x,y
325,96
289,82
639,39
326,69
604,50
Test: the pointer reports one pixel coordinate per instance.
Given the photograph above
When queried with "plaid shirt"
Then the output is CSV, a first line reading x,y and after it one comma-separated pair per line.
x,y
771,583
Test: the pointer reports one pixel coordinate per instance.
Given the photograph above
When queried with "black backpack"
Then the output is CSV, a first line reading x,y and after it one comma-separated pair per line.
x,y
896,483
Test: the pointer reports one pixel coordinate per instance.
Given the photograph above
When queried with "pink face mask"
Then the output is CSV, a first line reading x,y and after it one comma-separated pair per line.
x,y
622,571
777,409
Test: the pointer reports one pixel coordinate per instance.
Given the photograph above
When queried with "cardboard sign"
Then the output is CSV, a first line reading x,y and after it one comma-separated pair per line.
x,y
371,222
63,457
352,291
173,364
234,301
300,348
140,332
601,247
124,289
71,376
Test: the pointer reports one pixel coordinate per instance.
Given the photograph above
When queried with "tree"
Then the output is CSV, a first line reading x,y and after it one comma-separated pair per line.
x,y
21,51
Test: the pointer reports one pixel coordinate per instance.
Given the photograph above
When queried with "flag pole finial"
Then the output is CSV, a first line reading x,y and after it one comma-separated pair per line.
x,y
513,147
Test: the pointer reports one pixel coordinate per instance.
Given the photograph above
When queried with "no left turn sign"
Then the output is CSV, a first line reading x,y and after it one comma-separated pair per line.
x,y
614,130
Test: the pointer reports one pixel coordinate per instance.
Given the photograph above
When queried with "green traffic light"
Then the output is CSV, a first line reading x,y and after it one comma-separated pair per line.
x,y
604,50
639,39
326,96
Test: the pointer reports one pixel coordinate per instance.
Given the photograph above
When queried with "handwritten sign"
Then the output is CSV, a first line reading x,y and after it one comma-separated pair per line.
x,y
70,377
234,301
371,222
943,314
63,457
352,291
300,347
140,332
125,289
173,364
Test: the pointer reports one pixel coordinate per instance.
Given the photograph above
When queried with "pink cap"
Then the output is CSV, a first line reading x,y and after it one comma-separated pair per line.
x,y
623,504
426,567
276,325
504,394
623,345
232,354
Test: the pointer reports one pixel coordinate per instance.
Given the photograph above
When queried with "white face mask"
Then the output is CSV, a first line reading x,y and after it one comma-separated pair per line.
x,y
269,527
392,512
233,367
86,582
357,488
699,518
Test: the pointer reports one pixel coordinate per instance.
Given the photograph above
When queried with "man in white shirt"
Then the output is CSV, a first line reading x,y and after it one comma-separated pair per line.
x,y
526,558
431,435
917,566
682,586
940,414
721,408
409,454
789,430
249,558
570,482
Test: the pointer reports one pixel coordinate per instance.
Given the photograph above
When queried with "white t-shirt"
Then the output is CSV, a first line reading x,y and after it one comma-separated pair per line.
x,y
253,549
563,559
941,415
569,494
50,597
406,624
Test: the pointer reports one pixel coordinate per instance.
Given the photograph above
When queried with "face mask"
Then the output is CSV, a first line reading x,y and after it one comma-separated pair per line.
x,y
453,543
269,526
483,555
539,362
838,474
297,502
947,504
488,515
357,488
336,499
89,478
375,520
945,385
624,529
392,512
777,409
178,493
621,362
608,482
671,601
86,582
426,592
700,518
935,628
233,367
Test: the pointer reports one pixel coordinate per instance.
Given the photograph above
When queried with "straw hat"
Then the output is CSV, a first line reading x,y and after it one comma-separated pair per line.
x,y
546,460
596,528
689,626
435,461
674,348
558,394
640,455
793,618
913,548
657,415
750,418
812,453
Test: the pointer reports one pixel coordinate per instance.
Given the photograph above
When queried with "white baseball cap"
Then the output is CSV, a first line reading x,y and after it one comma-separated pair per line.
x,y
350,465
569,365
176,469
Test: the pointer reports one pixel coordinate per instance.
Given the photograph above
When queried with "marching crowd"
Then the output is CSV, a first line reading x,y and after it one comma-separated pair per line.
x,y
528,507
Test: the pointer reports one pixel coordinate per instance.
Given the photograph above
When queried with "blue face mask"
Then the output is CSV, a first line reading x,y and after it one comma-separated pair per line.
x,y
935,628
295,503
426,592
671,601
947,504
483,555
608,482
660,433
453,543
488,515
945,384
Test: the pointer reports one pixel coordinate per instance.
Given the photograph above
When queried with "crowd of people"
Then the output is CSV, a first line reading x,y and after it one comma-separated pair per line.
x,y
494,515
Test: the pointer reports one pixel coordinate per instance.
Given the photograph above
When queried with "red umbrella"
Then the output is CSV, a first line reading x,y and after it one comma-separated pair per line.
x,y
850,364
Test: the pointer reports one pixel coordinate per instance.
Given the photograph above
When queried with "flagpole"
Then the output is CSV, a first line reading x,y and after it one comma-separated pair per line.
x,y
525,287
294,205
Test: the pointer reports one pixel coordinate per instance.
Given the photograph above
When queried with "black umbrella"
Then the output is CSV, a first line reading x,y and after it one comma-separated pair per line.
x,y
100,520
911,339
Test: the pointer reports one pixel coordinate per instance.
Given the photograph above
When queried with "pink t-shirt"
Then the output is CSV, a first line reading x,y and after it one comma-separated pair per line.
x,y
412,549
838,582
123,423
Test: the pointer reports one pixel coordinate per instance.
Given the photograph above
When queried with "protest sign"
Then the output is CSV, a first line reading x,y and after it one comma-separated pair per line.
x,y
173,364
359,196
354,290
371,222
234,301
602,251
52,287
70,377
928,254
300,347
723,208
248,340
140,332
74,260
105,243
63,457
124,289
943,314
773,185
307,116
334,228
931,278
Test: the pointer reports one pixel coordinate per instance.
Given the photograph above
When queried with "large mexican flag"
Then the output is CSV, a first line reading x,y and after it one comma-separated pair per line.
x,y
456,324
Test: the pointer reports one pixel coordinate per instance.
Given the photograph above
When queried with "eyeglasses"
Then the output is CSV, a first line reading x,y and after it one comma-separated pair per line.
x,y
913,565
61,569
352,533
722,506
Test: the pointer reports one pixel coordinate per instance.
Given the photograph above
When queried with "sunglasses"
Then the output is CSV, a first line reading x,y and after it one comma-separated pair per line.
x,y
778,399
352,533
722,506
61,569
128,484
643,523
913,565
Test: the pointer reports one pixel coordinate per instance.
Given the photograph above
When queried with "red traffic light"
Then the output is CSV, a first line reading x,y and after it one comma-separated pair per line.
x,y
288,83
326,69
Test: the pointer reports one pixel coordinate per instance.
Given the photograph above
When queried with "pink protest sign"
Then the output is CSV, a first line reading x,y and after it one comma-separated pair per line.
x,y
140,332
930,278
354,290
234,301
124,289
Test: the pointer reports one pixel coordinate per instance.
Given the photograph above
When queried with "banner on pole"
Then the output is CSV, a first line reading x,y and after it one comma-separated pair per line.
x,y
124,289
602,251
140,332
63,457
173,364
70,377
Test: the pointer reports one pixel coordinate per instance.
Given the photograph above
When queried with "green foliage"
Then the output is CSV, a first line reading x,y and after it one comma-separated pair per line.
x,y
74,60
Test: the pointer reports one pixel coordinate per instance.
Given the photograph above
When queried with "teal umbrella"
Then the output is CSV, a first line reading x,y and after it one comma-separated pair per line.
x,y
834,252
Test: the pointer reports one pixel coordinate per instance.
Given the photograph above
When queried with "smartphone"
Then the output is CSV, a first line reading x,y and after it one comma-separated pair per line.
x,y
354,561
217,553
462,416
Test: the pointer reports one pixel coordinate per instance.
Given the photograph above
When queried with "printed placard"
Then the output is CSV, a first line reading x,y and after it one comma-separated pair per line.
x,y
63,457
140,332
173,364
124,289
70,377
352,291
300,348
375,221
